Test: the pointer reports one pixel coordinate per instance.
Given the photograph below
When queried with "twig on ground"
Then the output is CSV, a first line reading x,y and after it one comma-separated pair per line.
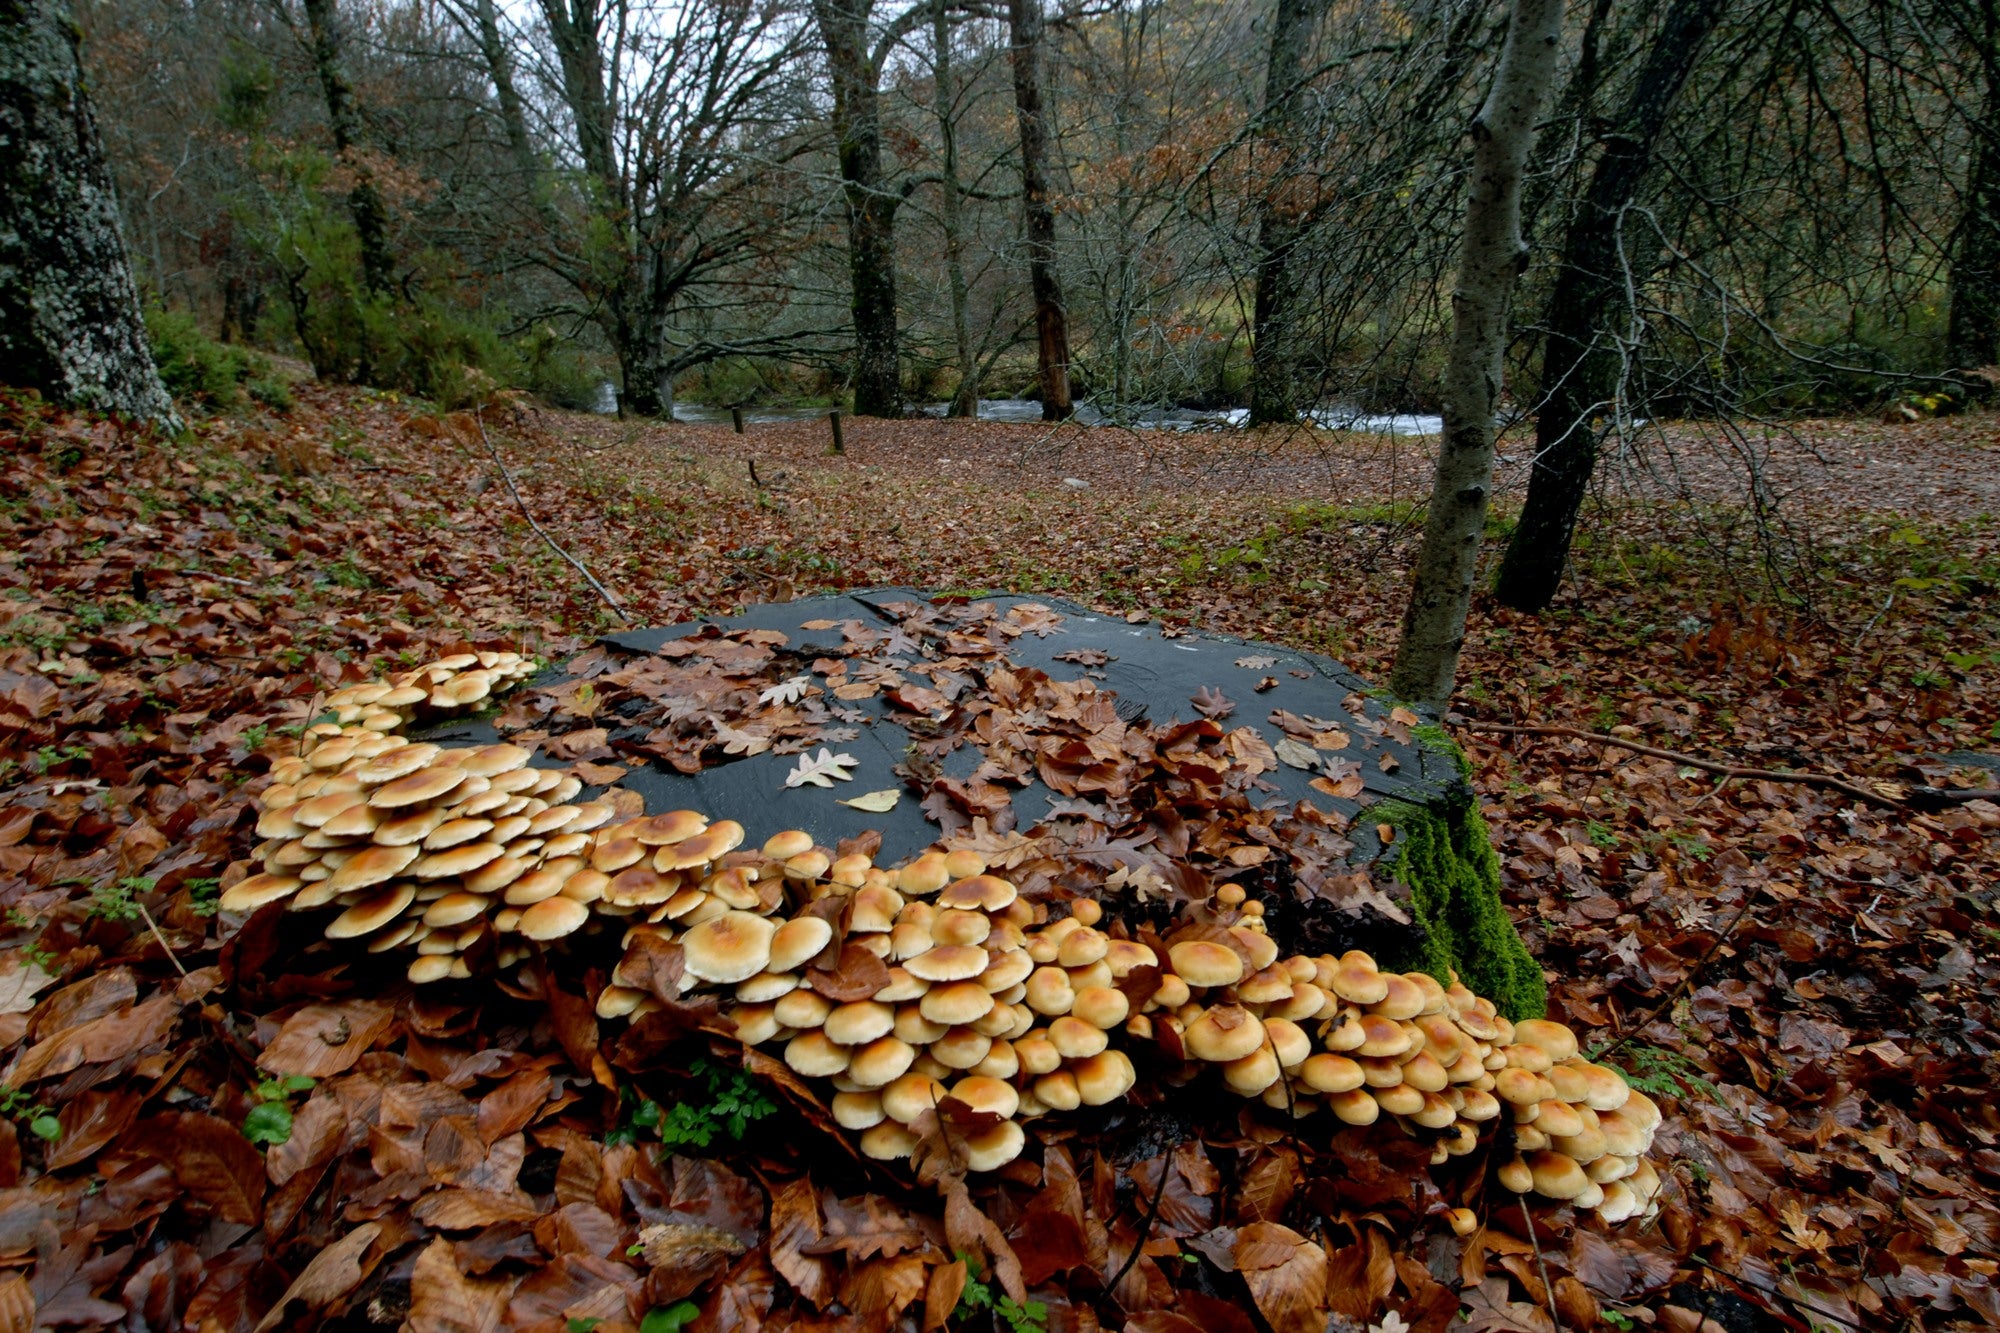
x,y
1749,899
1706,765
508,477
1548,1291
153,926
1145,1228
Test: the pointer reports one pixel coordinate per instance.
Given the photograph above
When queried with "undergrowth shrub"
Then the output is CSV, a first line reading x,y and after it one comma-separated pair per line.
x,y
198,370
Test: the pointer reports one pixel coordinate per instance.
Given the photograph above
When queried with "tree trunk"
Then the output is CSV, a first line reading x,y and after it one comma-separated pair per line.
x,y
500,69
871,207
1024,19
1584,349
364,201
69,312
965,402
1489,267
1972,338
1274,351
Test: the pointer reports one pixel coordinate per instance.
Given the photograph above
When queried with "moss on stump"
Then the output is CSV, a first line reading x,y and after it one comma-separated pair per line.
x,y
1444,856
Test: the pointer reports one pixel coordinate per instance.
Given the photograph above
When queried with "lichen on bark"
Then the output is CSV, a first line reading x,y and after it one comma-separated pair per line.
x,y
1443,854
69,313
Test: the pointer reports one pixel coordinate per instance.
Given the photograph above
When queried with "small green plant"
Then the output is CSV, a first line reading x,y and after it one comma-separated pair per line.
x,y
734,1101
115,901
348,574
40,1120
270,1120
1658,1072
1601,835
661,1318
979,1298
204,896
254,737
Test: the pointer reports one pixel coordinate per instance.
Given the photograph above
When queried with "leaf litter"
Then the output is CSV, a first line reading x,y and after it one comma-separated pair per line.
x,y
1805,982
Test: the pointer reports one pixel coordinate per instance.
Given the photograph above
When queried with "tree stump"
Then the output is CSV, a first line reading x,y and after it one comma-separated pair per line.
x,y
1088,755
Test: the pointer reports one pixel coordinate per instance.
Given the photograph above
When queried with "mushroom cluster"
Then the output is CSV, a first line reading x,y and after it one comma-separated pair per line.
x,y
988,1003
961,989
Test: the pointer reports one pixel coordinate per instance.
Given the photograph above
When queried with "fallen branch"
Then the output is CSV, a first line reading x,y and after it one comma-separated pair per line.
x,y
1826,780
508,477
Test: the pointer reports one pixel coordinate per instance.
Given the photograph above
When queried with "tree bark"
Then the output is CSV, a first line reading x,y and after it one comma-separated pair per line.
x,y
1274,350
871,206
364,201
1489,267
1972,337
1583,351
69,312
965,402
1024,19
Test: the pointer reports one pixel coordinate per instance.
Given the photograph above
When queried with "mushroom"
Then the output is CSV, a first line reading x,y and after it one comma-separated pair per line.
x,y
1557,1176
734,946
956,1003
1225,1032
247,895
887,1142
991,1149
1205,963
948,962
923,876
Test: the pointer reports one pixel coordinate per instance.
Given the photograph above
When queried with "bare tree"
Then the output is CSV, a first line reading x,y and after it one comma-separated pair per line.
x,y
69,313
1503,132
1588,314
1274,392
1024,18
371,214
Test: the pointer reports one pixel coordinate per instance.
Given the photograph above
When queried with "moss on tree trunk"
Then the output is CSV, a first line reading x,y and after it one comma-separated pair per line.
x,y
1444,856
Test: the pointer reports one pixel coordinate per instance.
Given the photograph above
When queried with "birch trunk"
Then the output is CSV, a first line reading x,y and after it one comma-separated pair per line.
x,y
69,312
1502,133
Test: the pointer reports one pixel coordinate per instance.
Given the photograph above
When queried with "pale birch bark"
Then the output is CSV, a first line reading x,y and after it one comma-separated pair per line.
x,y
1489,267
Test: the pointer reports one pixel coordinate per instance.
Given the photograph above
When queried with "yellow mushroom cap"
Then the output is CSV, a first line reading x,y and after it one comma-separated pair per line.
x,y
1381,1037
553,918
373,912
908,1096
987,1094
1330,1073
961,1048
1206,963
1104,1077
1103,1007
1288,1041
859,1022
431,967
798,942
923,876
1402,998
397,762
1516,1176
247,895
1356,979
370,866
956,1002
812,1054
1557,1040
858,1110
901,986
734,946
802,1009
1558,1119
881,1061
1225,1032
1269,986
991,1149
1399,1100
1557,1176
948,962
1356,1107
1058,1091
887,1142
1250,1074
426,784
1075,1038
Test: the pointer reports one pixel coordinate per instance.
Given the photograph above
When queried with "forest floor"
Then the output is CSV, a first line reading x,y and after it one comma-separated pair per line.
x,y
1807,981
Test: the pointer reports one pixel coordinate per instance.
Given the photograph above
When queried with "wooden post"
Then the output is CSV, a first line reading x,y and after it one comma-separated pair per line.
x,y
839,444
736,419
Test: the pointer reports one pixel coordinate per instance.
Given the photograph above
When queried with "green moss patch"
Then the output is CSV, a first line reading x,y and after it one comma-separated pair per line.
x,y
1447,861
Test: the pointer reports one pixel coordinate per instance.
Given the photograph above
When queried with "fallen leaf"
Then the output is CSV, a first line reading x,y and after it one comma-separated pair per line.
x,y
823,770
876,802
